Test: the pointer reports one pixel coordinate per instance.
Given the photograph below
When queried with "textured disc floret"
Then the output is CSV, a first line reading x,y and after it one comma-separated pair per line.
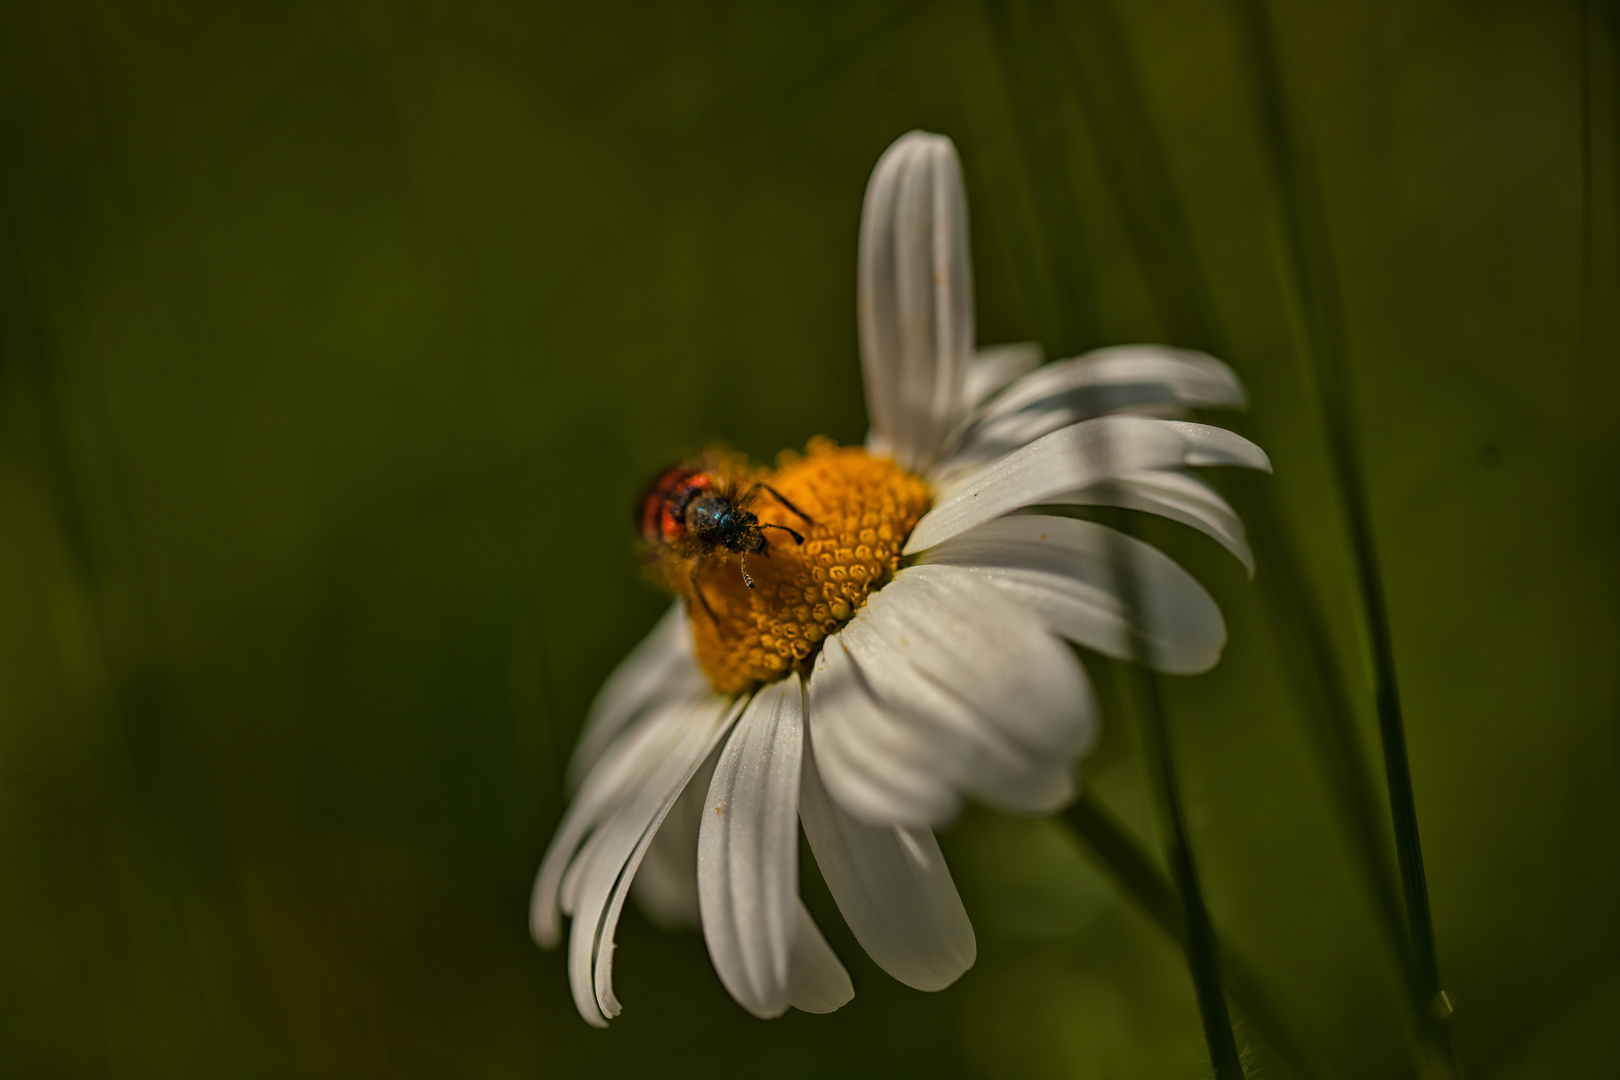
x,y
858,511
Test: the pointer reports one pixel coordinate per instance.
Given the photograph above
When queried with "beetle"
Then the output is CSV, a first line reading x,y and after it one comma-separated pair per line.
x,y
696,511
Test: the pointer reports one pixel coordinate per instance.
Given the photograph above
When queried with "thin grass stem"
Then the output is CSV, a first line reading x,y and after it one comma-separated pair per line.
x,y
1158,231
1037,128
1203,957
1300,633
1138,876
1034,117
1311,261
1104,80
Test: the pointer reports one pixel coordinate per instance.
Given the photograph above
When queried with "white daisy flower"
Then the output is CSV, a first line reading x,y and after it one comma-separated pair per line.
x,y
901,648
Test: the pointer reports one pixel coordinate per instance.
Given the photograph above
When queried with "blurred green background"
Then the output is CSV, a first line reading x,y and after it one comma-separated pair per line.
x,y
338,338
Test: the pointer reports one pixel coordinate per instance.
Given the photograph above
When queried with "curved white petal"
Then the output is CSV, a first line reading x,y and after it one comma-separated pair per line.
x,y
969,750
623,767
995,366
621,804
1078,456
608,877
665,888
820,984
663,665
915,302
590,960
996,441
1178,496
1120,377
878,768
1208,445
997,707
1092,584
893,888
748,851
1139,379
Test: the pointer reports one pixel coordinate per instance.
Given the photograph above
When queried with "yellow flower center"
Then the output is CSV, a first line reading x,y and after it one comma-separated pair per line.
x,y
863,508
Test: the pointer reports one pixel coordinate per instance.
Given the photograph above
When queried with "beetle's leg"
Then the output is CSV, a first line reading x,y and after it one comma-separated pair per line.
x,y
796,537
697,591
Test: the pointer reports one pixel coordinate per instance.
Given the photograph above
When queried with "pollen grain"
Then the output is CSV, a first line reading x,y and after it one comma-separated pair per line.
x,y
861,509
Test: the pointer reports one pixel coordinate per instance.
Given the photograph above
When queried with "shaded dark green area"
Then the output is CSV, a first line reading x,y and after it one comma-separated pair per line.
x,y
337,339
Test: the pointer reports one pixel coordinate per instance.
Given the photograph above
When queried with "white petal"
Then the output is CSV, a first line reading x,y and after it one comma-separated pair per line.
x,y
995,441
653,755
665,887
663,665
1138,379
614,852
1178,496
1087,453
748,851
875,767
1217,446
893,888
1123,377
994,366
820,984
965,748
915,298
1092,584
621,770
621,826
993,704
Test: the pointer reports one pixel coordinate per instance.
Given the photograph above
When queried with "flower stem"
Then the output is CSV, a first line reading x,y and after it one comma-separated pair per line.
x,y
1202,955
1310,255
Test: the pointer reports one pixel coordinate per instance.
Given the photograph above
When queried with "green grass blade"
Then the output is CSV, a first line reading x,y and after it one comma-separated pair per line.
x,y
1310,257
